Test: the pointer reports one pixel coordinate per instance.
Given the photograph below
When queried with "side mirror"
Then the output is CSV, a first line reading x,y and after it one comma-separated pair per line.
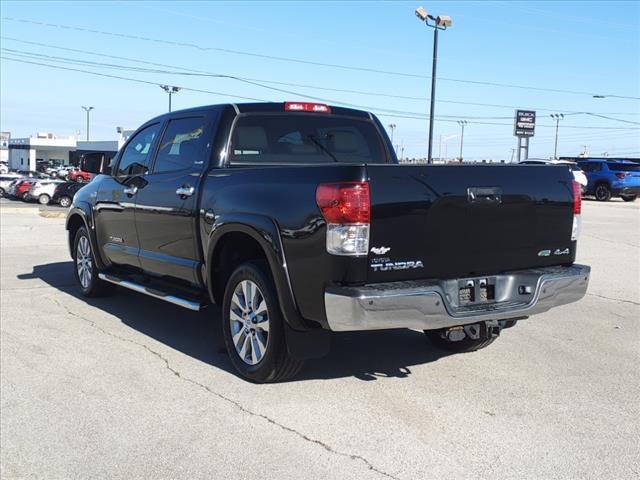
x,y
95,163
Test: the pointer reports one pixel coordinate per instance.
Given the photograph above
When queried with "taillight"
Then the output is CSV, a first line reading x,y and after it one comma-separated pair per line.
x,y
577,210
621,175
577,198
347,209
306,107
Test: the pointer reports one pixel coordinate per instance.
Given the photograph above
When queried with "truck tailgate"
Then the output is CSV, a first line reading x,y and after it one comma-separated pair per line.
x,y
453,221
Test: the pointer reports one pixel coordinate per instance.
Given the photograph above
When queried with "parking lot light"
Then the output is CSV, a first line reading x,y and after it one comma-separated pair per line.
x,y
557,117
170,90
441,22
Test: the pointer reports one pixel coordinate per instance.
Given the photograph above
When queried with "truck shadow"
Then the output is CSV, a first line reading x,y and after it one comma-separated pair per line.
x,y
363,355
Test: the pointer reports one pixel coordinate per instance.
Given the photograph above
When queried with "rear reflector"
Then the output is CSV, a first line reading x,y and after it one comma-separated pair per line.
x,y
346,207
306,107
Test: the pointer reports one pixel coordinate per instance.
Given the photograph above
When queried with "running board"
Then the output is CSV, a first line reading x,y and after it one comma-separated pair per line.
x,y
136,287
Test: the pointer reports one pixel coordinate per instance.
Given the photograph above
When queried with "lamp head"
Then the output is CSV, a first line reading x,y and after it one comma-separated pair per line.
x,y
422,14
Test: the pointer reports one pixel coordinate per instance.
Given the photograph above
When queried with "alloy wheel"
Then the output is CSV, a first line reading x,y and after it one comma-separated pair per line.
x,y
84,262
249,322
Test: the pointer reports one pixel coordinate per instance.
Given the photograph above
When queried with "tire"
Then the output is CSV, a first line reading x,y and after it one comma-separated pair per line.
x,y
2,193
44,199
65,201
628,198
79,179
87,274
254,335
602,193
462,346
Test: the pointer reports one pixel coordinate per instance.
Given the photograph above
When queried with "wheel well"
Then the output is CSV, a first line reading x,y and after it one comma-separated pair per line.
x,y
602,182
230,251
73,226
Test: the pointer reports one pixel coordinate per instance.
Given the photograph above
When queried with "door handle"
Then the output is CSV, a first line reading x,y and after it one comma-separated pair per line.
x,y
130,191
185,191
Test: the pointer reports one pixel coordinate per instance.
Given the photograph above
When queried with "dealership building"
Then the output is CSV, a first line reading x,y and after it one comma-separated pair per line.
x,y
26,153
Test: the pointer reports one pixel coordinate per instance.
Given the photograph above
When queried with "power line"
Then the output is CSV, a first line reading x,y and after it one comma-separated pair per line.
x,y
186,70
379,111
309,62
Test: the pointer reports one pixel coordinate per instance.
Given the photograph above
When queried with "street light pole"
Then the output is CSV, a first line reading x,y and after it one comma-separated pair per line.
x,y
170,90
87,109
557,117
439,23
392,127
462,124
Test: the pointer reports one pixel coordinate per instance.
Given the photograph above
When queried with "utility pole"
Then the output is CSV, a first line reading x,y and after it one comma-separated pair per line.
x,y
513,152
392,127
462,124
87,109
439,23
170,90
557,117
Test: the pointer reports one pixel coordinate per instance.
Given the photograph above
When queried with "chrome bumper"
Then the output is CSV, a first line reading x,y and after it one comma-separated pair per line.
x,y
428,305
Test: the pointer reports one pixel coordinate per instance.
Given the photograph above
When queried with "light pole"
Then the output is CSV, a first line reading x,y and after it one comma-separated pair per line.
x,y
557,117
439,23
462,124
392,127
170,90
87,109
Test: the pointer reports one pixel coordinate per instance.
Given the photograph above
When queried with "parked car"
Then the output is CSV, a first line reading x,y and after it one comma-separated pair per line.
x,y
297,220
80,176
612,178
578,175
32,174
43,190
63,172
64,193
4,168
5,182
21,188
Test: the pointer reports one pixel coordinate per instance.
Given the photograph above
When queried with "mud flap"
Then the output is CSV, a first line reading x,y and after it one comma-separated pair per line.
x,y
307,344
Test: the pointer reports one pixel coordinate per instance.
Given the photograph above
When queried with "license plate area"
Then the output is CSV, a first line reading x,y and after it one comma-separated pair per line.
x,y
475,291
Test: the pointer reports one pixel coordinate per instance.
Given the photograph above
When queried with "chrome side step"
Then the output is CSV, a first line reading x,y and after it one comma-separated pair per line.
x,y
136,287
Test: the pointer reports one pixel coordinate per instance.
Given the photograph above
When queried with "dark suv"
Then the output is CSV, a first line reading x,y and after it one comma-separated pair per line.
x,y
612,178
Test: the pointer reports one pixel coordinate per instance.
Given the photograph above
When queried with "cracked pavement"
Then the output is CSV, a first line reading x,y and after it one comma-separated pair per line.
x,y
130,387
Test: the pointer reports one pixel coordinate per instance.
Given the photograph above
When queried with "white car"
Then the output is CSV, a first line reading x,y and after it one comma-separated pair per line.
x,y
42,191
578,175
4,168
5,182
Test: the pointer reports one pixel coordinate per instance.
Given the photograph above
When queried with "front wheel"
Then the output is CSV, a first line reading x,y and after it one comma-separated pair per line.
x,y
2,193
252,325
79,179
86,271
44,199
65,201
628,198
602,193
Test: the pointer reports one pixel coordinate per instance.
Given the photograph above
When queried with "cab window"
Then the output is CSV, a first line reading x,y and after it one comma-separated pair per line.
x,y
137,154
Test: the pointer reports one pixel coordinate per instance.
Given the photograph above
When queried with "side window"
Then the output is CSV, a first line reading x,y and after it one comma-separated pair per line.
x,y
183,146
136,155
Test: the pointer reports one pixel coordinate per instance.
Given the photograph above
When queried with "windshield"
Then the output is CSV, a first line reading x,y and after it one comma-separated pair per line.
x,y
303,138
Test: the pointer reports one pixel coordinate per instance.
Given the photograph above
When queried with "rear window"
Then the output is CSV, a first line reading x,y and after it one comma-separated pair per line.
x,y
623,167
304,138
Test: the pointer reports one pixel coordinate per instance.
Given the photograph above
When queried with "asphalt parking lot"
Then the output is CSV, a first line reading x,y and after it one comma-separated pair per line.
x,y
131,387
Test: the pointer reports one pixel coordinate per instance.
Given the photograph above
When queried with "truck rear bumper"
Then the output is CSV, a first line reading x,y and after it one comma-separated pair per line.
x,y
433,304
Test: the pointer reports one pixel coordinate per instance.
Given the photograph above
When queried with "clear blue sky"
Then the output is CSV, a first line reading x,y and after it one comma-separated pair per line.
x,y
591,47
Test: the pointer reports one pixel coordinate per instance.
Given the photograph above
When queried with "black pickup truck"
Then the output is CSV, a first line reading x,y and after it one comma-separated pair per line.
x,y
297,220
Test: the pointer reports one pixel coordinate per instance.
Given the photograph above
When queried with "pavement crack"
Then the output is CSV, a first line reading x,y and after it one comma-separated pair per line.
x,y
235,403
614,299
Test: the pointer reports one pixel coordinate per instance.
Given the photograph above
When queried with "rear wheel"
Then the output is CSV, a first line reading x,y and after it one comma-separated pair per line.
x,y
44,199
252,325
79,179
65,201
628,198
602,193
2,193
